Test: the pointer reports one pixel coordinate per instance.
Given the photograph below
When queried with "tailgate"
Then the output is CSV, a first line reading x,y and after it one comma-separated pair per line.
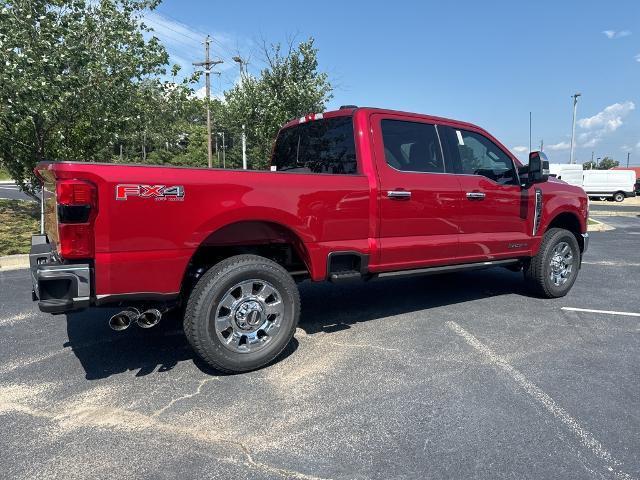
x,y
50,206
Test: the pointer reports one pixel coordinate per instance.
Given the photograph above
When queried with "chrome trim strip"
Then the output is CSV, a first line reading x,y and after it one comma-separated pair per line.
x,y
106,295
449,268
537,212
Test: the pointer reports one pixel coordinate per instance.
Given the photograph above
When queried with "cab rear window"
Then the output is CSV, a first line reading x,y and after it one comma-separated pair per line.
x,y
318,146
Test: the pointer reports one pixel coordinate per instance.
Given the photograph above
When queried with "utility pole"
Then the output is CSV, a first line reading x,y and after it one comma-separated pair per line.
x,y
628,155
207,64
573,126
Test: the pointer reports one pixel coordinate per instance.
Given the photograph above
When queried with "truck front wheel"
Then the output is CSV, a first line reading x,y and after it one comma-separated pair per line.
x,y
553,271
619,196
242,313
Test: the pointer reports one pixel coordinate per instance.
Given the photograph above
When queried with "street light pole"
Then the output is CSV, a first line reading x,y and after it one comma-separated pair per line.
x,y
573,126
244,150
530,132
224,150
241,62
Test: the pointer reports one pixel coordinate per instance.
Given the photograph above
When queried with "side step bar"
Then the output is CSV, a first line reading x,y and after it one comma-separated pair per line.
x,y
346,275
448,268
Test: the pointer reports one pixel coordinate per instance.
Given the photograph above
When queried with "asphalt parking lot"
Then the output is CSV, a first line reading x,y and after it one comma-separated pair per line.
x,y
461,376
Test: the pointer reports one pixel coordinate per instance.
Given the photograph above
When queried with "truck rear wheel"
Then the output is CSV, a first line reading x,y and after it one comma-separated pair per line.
x,y
553,271
242,313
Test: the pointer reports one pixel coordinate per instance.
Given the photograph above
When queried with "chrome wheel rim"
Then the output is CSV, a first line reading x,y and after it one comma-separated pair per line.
x,y
561,264
249,316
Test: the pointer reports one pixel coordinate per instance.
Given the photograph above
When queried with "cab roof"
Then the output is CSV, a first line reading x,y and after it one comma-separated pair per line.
x,y
350,110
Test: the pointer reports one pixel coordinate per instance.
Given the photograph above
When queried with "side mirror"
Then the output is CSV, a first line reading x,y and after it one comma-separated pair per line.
x,y
538,170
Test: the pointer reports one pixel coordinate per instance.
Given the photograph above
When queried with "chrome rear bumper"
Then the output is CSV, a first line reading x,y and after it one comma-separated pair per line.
x,y
57,287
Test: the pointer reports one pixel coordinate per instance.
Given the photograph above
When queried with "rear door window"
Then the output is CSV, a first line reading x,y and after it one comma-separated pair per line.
x,y
412,146
319,146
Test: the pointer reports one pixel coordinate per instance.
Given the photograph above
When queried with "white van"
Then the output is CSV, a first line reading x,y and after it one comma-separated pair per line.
x,y
570,173
605,184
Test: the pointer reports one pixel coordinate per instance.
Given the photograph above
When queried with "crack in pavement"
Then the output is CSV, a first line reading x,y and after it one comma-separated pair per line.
x,y
82,416
184,397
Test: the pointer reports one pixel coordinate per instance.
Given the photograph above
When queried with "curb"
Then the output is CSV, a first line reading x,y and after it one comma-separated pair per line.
x,y
14,262
7,182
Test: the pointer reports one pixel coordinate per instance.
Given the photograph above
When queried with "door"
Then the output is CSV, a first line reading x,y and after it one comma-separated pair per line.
x,y
418,194
494,218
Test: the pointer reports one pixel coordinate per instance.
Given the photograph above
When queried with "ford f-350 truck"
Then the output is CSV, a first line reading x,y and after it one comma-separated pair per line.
x,y
357,192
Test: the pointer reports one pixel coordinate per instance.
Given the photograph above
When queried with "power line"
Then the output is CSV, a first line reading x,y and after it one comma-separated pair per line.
x,y
178,40
221,45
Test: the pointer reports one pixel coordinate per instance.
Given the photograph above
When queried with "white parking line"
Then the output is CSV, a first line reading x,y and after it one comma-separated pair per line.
x,y
613,264
584,436
606,312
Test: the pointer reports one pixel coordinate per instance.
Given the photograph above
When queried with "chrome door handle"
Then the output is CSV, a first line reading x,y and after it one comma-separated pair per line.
x,y
399,194
476,195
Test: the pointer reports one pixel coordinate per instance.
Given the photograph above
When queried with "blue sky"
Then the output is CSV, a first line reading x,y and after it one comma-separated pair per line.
x,y
487,62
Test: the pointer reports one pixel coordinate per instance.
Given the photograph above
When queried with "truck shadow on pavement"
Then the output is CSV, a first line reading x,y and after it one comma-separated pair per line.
x,y
329,308
103,352
326,308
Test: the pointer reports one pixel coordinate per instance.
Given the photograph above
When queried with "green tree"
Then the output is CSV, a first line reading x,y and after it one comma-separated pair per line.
x,y
606,163
76,78
289,86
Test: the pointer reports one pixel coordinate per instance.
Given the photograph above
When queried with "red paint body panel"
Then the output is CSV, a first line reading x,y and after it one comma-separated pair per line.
x,y
143,244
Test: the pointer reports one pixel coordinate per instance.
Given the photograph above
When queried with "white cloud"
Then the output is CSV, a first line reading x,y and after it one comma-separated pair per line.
x,y
520,149
603,123
638,145
589,139
559,146
612,34
637,57
609,119
201,93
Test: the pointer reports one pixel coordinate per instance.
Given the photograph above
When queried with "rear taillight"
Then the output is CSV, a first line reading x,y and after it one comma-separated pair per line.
x,y
77,208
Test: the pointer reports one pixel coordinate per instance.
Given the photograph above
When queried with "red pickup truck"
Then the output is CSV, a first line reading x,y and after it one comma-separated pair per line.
x,y
357,192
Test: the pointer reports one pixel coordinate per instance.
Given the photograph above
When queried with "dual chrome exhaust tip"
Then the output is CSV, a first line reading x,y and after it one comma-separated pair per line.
x,y
123,320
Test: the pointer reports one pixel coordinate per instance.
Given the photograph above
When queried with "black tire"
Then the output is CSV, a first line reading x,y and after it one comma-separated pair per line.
x,y
209,292
537,272
619,196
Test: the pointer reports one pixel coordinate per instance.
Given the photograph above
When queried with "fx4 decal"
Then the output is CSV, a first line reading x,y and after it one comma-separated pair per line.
x,y
157,192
